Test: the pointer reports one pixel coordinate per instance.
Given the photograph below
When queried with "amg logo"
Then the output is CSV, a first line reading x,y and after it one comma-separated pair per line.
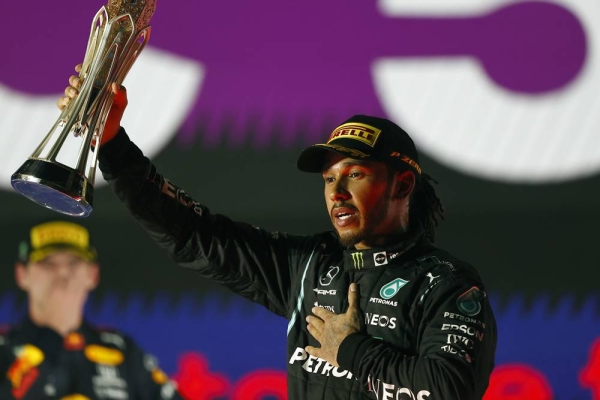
x,y
331,292
364,133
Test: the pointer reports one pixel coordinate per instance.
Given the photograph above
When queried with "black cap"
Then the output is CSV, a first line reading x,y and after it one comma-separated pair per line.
x,y
49,237
364,137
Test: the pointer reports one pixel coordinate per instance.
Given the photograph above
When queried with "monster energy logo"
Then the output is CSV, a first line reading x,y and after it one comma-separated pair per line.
x,y
389,290
358,260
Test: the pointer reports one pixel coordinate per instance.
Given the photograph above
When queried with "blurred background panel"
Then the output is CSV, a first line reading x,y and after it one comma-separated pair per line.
x,y
500,97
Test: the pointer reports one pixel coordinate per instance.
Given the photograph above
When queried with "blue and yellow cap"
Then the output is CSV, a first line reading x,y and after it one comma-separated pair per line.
x,y
50,237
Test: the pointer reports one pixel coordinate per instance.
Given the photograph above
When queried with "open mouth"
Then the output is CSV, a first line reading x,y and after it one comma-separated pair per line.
x,y
343,215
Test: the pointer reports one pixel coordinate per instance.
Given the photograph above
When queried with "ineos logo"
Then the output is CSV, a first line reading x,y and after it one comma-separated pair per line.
x,y
382,321
389,391
326,279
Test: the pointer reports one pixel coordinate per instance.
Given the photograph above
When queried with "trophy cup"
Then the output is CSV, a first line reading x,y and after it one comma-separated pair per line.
x,y
61,171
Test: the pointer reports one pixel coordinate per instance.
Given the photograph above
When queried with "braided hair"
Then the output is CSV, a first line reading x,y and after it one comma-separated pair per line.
x,y
425,206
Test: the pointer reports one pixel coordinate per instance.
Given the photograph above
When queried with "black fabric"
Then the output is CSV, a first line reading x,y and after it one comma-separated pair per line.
x,y
46,339
85,367
429,333
366,138
351,349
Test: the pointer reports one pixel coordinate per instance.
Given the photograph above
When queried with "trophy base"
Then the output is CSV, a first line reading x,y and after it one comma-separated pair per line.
x,y
54,186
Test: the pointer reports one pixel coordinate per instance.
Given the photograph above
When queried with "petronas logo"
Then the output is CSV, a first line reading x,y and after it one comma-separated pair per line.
x,y
358,260
389,290
469,303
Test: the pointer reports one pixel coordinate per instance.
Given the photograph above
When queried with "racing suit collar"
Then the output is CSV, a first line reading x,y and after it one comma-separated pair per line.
x,y
382,256
31,326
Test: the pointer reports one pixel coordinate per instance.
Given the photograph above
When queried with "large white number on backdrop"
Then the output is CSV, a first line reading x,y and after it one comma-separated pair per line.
x,y
490,132
161,89
439,7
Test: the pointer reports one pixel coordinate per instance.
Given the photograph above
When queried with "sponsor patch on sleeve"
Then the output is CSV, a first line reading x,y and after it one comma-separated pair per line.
x,y
469,303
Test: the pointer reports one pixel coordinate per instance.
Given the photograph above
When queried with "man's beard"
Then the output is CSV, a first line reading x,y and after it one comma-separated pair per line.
x,y
378,214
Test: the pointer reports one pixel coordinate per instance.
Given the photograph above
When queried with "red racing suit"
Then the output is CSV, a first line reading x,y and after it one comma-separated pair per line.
x,y
429,331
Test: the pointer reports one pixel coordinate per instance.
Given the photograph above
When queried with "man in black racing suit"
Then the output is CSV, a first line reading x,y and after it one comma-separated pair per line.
x,y
375,311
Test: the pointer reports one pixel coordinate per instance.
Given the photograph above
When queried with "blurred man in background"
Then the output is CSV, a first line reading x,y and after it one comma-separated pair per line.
x,y
374,309
54,353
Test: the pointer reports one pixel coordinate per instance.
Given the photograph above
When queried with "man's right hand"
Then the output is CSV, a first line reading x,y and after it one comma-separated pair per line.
x,y
113,121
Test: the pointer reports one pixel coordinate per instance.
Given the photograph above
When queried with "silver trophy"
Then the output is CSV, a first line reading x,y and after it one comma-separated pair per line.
x,y
61,171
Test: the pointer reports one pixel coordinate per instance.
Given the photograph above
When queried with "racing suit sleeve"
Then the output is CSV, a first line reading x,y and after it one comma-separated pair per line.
x,y
23,376
252,262
454,355
7,358
149,381
18,383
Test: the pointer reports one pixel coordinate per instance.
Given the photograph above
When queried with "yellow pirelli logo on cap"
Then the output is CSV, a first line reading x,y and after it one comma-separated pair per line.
x,y
59,232
354,130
